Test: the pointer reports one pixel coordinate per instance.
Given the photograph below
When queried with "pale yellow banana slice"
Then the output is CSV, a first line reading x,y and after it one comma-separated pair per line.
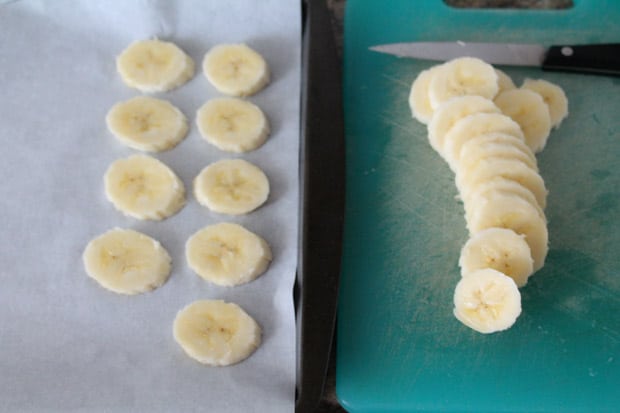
x,y
154,66
232,124
503,146
227,254
487,301
472,126
500,249
126,261
462,76
553,96
147,124
231,186
504,82
236,69
529,110
502,210
144,188
449,112
419,101
216,333
486,169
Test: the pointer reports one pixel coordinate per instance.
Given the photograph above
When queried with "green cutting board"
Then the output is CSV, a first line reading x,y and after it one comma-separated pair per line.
x,y
399,346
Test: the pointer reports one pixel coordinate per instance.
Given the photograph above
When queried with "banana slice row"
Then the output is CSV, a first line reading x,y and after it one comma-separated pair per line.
x,y
488,132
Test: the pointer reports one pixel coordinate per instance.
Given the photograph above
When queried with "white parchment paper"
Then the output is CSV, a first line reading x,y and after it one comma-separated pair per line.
x,y
66,344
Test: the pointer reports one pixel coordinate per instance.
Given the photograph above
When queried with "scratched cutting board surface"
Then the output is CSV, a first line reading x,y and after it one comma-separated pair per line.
x,y
399,346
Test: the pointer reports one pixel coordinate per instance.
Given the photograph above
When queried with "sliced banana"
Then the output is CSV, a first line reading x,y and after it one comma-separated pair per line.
x,y
504,82
553,96
419,101
449,112
154,66
231,186
216,333
232,124
462,76
227,254
126,261
144,188
487,301
502,210
486,169
475,125
500,249
147,124
503,146
529,110
236,69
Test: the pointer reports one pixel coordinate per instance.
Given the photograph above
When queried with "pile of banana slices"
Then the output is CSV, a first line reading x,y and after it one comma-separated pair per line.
x,y
488,131
142,187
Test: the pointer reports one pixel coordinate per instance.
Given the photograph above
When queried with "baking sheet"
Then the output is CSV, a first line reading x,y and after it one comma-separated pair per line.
x,y
67,344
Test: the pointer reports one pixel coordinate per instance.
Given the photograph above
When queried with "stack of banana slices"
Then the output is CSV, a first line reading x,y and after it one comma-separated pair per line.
x,y
488,131
142,187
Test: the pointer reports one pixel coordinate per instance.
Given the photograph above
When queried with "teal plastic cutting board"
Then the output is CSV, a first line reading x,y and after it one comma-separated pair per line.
x,y
399,347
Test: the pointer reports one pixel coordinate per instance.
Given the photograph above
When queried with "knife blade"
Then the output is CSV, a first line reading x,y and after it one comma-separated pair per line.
x,y
601,59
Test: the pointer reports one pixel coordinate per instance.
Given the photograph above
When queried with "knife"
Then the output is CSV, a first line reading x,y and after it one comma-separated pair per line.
x,y
601,59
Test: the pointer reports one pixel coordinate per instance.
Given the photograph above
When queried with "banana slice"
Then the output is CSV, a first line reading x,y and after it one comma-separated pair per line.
x,y
475,125
231,186
147,124
126,261
487,301
449,112
500,249
486,169
236,69
553,96
419,101
232,124
154,66
462,76
504,82
502,210
227,254
144,188
529,110
216,333
503,146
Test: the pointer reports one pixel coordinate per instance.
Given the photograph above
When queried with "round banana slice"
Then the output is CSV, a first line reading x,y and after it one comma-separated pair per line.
x,y
487,301
486,169
418,96
529,110
449,112
126,261
231,186
144,188
232,124
504,82
462,76
236,69
495,145
500,249
511,211
553,96
147,124
227,254
475,125
154,66
216,333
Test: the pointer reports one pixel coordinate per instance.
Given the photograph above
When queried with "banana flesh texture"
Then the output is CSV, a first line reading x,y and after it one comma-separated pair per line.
x,y
144,188
216,333
147,124
126,261
236,69
227,254
488,130
232,124
154,66
231,186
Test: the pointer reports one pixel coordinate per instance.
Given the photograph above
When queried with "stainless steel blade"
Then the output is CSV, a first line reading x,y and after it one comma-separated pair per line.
x,y
497,53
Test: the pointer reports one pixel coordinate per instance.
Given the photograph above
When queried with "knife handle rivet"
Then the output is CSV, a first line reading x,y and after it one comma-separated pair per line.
x,y
566,51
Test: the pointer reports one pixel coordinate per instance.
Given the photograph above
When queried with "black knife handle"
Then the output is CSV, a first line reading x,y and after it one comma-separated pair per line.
x,y
593,59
